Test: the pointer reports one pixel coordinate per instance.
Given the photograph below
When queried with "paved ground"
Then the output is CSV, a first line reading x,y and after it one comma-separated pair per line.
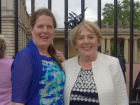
x,y
136,70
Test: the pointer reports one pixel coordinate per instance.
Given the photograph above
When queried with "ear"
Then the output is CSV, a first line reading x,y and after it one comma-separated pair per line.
x,y
75,46
31,28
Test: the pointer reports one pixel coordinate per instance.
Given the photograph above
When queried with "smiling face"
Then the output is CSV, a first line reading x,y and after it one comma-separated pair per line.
x,y
87,43
42,31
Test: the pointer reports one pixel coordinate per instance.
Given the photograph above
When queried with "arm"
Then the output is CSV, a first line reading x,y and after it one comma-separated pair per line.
x,y
60,55
119,83
21,77
17,103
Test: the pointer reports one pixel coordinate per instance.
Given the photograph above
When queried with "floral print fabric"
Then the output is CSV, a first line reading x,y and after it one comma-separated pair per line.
x,y
51,84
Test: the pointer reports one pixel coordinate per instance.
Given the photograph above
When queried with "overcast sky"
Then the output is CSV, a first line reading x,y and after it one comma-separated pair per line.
x,y
73,5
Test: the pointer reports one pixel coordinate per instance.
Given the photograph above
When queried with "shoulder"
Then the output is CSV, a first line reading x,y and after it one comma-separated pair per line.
x,y
108,61
112,62
23,55
107,58
70,63
9,59
24,52
70,60
6,61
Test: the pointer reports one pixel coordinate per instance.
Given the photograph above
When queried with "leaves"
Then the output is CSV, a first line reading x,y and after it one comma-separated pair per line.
x,y
123,14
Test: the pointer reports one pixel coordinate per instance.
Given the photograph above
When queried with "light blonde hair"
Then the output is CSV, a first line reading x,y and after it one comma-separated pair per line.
x,y
90,26
2,46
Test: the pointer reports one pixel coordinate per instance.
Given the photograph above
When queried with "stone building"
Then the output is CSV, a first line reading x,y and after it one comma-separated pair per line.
x,y
8,25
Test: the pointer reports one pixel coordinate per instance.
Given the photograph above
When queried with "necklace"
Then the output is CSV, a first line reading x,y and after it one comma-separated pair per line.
x,y
85,66
45,54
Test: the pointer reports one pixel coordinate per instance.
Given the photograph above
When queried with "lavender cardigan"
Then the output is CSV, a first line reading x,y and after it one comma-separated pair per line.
x,y
5,80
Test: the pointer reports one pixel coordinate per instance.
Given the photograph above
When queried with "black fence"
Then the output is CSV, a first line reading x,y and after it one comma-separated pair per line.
x,y
131,99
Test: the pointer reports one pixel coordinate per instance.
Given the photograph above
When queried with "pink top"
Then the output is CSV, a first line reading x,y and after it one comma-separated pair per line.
x,y
5,80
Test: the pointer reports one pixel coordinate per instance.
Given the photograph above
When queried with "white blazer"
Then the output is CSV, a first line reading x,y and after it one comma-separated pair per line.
x,y
107,75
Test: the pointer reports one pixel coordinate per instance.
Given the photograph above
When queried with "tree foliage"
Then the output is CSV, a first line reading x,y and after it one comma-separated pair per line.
x,y
123,14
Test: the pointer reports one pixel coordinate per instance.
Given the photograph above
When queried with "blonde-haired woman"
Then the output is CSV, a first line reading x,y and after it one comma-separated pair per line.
x,y
92,78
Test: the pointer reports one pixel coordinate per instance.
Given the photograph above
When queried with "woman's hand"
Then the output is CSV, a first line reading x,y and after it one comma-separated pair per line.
x,y
60,55
17,103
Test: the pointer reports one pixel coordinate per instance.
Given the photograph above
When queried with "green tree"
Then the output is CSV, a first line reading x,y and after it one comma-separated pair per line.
x,y
112,48
108,14
123,14
137,15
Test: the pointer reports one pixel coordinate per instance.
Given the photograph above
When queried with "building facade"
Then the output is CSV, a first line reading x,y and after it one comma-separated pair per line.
x,y
8,24
107,43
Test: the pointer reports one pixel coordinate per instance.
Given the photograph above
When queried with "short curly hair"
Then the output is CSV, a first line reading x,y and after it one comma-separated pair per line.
x,y
90,26
2,47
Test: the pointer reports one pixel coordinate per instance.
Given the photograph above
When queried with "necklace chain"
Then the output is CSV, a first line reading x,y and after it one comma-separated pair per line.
x,y
83,66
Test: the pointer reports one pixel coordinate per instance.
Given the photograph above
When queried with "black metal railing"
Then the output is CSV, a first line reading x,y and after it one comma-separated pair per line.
x,y
16,26
131,49
83,8
115,27
66,29
50,4
132,102
99,13
131,99
32,6
0,17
